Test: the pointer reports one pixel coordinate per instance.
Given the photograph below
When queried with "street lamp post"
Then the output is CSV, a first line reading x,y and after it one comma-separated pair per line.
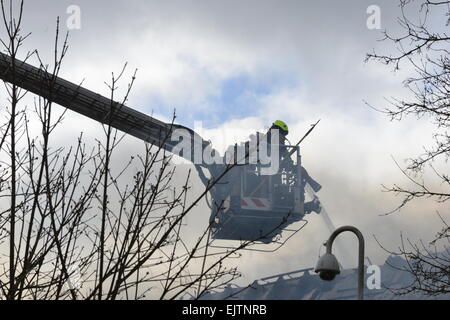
x,y
328,266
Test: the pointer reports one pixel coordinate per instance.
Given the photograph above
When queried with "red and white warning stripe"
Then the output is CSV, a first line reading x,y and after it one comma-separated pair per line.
x,y
255,204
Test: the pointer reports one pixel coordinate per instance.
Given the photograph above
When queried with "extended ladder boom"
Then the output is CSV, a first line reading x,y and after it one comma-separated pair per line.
x,y
92,105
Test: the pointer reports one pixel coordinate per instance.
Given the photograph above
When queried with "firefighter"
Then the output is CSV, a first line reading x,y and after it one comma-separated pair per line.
x,y
286,160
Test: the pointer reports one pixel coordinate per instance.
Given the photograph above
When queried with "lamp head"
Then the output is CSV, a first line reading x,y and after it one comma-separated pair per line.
x,y
327,267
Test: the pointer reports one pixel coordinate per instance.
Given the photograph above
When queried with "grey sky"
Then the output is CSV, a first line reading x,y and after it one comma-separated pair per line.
x,y
296,60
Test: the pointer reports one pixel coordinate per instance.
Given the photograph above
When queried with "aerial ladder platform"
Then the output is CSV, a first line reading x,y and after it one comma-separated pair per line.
x,y
241,215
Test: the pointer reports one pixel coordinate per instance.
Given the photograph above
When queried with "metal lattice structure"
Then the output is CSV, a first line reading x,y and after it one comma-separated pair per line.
x,y
89,103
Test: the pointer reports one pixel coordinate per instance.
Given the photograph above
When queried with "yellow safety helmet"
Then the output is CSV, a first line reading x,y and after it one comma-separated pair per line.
x,y
282,126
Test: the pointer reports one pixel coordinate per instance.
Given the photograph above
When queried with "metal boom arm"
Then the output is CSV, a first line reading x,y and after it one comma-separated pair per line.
x,y
93,105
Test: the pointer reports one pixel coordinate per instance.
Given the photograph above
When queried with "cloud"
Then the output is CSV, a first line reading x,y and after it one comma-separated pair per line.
x,y
237,66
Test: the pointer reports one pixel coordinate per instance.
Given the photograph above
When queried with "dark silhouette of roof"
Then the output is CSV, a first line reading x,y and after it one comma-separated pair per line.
x,y
304,284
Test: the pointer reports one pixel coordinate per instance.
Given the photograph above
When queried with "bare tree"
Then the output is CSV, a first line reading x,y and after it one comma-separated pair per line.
x,y
73,226
424,46
46,209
